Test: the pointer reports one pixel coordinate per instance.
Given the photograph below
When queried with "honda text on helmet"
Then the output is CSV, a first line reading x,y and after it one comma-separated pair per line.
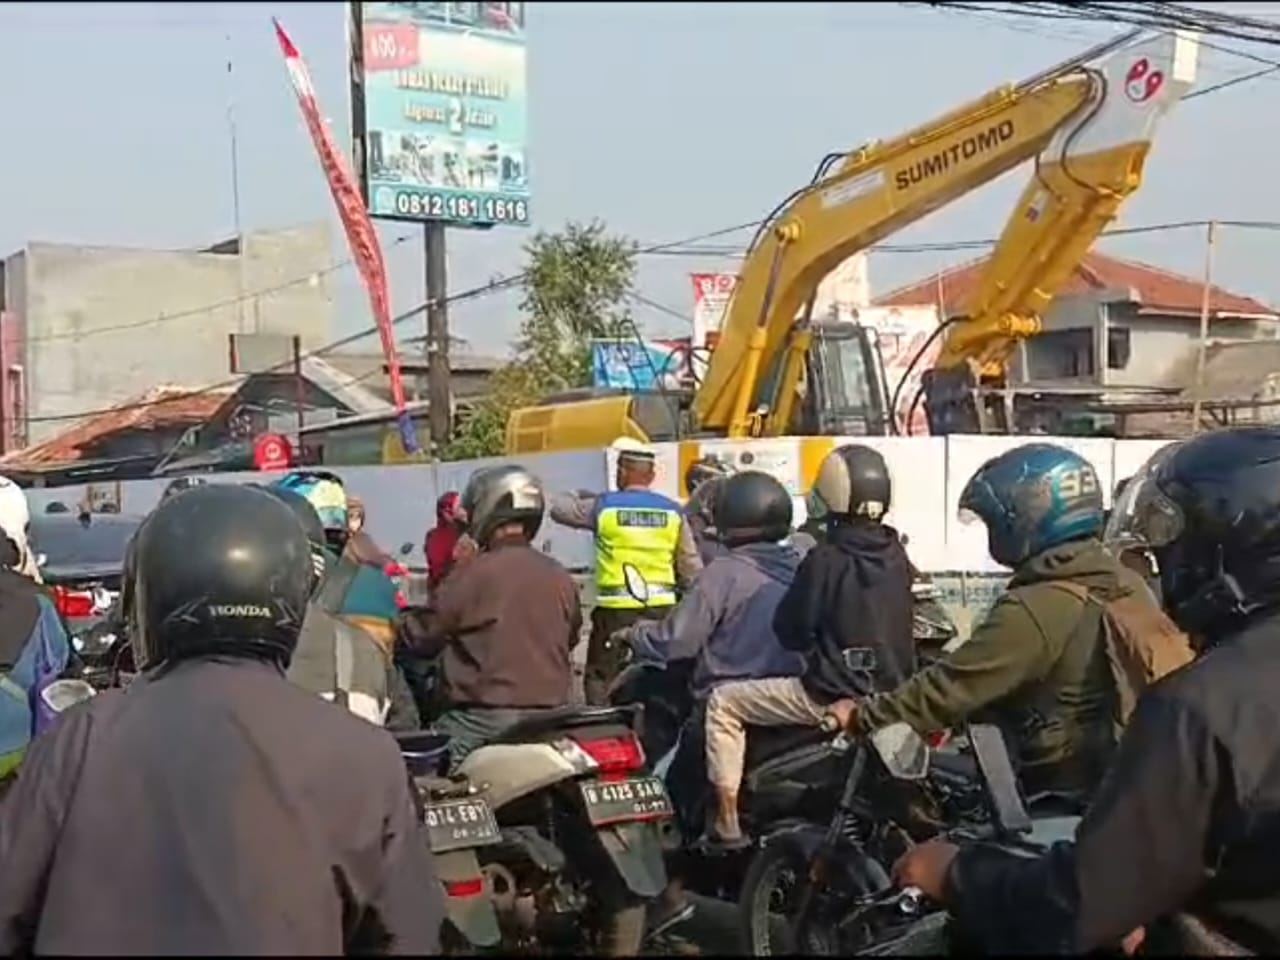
x,y
1032,498
223,570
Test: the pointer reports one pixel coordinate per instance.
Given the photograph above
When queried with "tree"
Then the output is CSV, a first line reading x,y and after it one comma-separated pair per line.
x,y
576,284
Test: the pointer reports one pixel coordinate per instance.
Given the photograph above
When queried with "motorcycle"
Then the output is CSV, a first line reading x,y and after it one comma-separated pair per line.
x,y
579,852
458,822
838,875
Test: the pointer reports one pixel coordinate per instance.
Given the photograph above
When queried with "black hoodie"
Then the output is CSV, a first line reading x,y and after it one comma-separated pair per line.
x,y
851,591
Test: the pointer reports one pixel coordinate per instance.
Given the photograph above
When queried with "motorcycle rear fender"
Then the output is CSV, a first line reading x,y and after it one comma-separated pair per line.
x,y
506,772
635,849
472,914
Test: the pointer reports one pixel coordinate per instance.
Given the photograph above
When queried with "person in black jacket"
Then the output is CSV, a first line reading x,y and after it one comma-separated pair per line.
x,y
848,610
1180,844
213,805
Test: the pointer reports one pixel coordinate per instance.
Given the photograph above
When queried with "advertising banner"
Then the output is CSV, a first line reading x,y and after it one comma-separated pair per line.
x,y
902,331
628,365
444,111
362,238
711,293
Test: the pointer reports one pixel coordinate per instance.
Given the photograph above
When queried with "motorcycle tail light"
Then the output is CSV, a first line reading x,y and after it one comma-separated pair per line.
x,y
615,754
74,604
464,888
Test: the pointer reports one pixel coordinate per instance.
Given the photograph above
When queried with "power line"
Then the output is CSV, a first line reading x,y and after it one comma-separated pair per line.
x,y
497,285
207,308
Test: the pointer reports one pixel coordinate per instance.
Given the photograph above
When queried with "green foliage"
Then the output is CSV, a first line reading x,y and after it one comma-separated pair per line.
x,y
576,284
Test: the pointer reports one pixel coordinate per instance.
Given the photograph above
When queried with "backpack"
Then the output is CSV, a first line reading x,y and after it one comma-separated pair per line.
x,y
1141,642
24,714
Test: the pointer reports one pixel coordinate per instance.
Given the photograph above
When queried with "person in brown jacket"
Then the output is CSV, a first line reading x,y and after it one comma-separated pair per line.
x,y
505,622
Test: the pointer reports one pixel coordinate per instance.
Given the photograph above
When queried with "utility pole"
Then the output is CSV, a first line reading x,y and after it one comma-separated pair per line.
x,y
235,193
1204,325
439,393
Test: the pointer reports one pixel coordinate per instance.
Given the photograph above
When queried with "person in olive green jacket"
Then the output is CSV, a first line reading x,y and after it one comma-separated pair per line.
x,y
1036,665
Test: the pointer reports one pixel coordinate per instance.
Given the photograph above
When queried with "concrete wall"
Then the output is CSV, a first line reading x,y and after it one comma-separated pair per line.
x,y
103,323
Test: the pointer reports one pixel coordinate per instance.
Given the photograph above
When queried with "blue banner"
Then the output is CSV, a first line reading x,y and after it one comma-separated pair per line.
x,y
639,366
445,112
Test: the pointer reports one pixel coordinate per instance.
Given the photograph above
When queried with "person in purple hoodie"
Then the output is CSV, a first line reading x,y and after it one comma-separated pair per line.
x,y
724,625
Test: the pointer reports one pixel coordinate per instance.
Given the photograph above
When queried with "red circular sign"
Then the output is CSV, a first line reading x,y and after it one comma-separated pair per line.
x,y
271,451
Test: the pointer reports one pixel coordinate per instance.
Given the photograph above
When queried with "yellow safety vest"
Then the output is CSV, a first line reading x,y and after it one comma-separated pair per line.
x,y
641,529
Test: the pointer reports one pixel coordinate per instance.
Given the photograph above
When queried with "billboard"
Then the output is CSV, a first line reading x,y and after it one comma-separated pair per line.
x,y
440,111
629,365
711,293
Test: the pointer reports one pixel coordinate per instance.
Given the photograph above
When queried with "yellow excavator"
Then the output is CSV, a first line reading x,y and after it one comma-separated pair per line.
x,y
1088,123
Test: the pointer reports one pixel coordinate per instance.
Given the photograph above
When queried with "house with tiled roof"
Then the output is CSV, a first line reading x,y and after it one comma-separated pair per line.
x,y
1117,324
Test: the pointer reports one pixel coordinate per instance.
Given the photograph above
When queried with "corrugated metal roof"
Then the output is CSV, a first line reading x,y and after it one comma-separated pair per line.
x,y
1158,291
159,408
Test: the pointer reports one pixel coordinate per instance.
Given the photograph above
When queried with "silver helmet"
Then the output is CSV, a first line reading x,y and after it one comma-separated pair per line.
x,y
497,496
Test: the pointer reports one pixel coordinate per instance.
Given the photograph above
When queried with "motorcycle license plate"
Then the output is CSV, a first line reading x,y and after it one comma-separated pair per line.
x,y
618,801
456,824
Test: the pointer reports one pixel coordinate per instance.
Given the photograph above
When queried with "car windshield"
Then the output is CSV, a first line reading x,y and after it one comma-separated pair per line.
x,y
67,543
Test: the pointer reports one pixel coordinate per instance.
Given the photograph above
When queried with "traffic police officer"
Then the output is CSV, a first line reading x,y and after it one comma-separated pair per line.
x,y
633,526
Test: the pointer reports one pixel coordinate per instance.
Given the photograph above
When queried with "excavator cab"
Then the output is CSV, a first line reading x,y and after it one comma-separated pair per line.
x,y
845,392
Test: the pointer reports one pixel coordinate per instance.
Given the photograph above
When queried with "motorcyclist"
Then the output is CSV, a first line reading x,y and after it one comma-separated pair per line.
x,y
1180,844
725,625
703,480
1037,665
442,539
335,656
35,648
851,597
505,623
212,803
635,526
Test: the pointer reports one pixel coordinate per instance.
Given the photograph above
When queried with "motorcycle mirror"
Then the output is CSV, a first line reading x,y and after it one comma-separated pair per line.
x,y
902,751
406,549
637,585
61,695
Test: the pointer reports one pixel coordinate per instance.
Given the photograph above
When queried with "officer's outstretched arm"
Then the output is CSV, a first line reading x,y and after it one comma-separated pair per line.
x,y
574,510
1139,852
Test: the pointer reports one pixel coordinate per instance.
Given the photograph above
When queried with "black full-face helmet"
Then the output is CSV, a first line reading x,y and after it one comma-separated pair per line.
x,y
752,507
221,570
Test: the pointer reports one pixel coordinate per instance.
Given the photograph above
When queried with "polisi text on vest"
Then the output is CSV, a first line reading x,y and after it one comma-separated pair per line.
x,y
982,142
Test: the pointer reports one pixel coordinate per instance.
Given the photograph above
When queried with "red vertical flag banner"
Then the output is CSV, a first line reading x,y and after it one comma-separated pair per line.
x,y
361,236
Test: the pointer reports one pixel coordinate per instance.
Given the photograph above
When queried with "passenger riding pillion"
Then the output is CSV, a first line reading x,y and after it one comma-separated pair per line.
x,y
847,613
213,803
1038,664
1179,847
503,624
723,624
633,526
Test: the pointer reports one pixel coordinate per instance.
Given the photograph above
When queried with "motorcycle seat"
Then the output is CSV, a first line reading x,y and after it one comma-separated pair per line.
x,y
548,722
765,743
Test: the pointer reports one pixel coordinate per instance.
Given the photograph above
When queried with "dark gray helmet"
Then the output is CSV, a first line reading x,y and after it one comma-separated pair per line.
x,y
221,570
752,507
497,496
852,483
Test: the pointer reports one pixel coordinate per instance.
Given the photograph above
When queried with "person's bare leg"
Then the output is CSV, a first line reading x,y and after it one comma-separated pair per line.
x,y
724,822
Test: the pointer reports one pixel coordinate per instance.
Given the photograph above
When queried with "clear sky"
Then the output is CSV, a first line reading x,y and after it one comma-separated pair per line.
x,y
667,120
